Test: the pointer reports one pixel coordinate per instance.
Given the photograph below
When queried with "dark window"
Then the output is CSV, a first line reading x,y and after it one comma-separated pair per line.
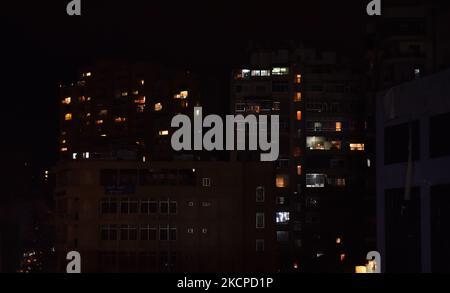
x,y
164,207
149,207
439,143
108,177
128,177
403,243
280,86
397,141
173,207
440,225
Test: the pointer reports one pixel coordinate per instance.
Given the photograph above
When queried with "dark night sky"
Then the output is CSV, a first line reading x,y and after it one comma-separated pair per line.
x,y
42,45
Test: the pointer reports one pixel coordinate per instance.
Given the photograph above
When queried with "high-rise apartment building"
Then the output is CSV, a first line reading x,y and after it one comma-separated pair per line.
x,y
413,181
126,216
127,202
319,175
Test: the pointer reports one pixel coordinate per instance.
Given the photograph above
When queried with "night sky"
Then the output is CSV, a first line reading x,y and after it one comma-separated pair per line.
x,y
43,46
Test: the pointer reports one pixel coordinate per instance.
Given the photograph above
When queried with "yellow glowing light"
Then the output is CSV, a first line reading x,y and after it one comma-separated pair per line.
x,y
98,122
361,270
357,146
338,126
164,132
68,117
120,119
67,100
281,181
158,107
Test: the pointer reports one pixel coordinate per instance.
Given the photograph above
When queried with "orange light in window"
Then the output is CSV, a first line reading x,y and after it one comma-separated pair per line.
x,y
338,126
281,181
299,170
298,78
67,100
298,97
356,146
299,115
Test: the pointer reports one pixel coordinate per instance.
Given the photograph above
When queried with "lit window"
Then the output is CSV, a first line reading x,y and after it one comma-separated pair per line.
x,y
182,95
299,170
142,82
298,97
342,256
88,74
64,149
243,74
356,146
321,143
120,119
265,72
124,94
184,104
260,221
338,240
299,115
280,71
282,181
315,180
317,126
98,122
103,135
135,92
68,117
338,126
103,112
163,132
67,100
282,217
298,78
417,73
340,182
260,194
158,107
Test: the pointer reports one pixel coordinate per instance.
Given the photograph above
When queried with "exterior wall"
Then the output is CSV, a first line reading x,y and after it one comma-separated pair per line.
x,y
418,100
227,244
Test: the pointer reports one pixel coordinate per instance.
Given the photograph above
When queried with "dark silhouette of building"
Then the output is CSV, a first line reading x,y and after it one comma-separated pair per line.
x,y
125,216
319,177
128,202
